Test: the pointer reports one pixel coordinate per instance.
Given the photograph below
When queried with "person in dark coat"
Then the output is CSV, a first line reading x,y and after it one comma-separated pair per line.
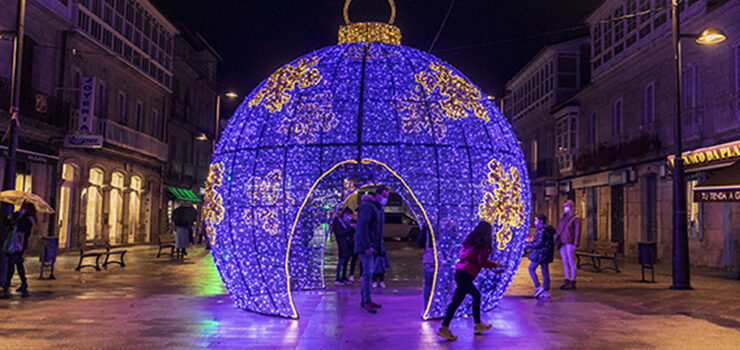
x,y
369,240
542,250
23,219
183,217
344,235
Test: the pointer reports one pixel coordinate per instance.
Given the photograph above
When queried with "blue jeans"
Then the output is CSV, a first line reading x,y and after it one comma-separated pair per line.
x,y
545,274
368,267
428,279
342,269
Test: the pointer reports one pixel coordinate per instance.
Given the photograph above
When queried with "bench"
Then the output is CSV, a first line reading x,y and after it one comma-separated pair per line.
x,y
165,242
109,253
598,251
97,249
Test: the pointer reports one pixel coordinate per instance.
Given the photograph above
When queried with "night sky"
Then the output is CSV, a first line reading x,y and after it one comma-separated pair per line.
x,y
488,40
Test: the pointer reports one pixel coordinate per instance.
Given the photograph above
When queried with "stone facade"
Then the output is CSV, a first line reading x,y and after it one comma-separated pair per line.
x,y
624,118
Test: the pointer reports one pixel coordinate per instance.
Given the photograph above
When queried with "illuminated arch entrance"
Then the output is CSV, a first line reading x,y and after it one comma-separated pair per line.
x,y
367,171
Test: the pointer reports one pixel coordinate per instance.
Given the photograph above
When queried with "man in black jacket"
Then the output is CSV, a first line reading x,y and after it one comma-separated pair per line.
x,y
369,240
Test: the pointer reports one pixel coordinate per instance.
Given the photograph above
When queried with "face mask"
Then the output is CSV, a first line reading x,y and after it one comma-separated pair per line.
x,y
383,200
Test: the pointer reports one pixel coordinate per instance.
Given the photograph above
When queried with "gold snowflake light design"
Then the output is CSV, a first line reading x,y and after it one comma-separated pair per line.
x,y
267,199
275,92
459,99
502,204
310,118
213,209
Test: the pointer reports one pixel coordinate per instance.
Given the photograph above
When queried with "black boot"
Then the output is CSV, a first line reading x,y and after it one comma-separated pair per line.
x,y
566,284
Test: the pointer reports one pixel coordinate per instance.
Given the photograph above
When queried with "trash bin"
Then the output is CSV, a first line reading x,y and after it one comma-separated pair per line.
x,y
647,253
48,255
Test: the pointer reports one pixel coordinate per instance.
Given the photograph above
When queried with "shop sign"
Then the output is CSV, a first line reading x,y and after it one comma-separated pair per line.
x,y
83,141
711,155
599,179
618,177
732,195
87,104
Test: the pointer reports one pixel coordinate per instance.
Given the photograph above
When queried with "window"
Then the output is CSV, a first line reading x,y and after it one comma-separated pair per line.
x,y
567,71
101,100
632,21
618,24
649,104
24,182
688,82
592,132
596,39
565,139
122,112
617,117
156,127
139,115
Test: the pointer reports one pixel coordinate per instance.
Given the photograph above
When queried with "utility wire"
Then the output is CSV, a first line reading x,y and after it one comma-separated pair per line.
x,y
449,10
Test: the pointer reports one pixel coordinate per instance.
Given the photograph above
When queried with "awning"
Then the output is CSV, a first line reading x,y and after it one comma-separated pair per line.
x,y
183,194
721,186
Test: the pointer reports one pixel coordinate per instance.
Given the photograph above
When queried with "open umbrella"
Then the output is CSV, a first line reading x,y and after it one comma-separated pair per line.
x,y
18,197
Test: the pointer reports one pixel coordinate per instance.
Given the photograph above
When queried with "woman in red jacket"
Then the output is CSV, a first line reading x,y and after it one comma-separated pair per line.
x,y
473,257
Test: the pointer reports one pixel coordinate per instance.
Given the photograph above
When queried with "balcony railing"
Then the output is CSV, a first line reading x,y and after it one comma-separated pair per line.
x,y
125,137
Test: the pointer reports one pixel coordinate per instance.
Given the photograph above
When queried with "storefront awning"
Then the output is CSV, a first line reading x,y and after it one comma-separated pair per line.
x,y
183,194
720,186
710,156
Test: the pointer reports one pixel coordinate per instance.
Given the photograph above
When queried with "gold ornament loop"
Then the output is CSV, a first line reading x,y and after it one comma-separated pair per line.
x,y
390,2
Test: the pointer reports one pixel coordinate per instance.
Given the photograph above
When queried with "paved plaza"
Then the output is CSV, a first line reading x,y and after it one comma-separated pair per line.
x,y
163,304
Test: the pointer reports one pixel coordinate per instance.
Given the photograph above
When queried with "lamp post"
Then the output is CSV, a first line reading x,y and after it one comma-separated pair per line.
x,y
217,130
681,271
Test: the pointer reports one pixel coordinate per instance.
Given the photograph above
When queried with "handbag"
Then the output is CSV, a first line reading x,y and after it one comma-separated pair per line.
x,y
13,243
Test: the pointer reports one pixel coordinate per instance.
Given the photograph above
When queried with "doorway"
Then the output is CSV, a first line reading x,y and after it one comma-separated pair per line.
x,y
617,215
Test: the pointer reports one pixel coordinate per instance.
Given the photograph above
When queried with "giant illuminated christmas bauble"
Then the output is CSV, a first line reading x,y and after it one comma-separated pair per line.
x,y
365,111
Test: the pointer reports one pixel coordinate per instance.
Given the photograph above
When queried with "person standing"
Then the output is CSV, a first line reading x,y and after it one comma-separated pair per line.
x,y
343,233
23,220
476,249
566,240
427,261
368,240
541,254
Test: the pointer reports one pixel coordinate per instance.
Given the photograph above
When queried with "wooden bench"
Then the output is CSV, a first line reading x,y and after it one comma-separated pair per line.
x,y
165,242
598,251
97,249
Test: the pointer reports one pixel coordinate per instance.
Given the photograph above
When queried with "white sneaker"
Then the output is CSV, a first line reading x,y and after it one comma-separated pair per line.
x,y
375,284
351,278
382,284
538,291
545,295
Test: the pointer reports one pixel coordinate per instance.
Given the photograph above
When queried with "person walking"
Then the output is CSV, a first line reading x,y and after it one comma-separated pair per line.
x,y
183,217
566,240
541,254
19,227
343,233
476,249
368,240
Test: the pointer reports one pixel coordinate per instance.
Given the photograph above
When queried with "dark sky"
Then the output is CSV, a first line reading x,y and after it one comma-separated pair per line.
x,y
488,40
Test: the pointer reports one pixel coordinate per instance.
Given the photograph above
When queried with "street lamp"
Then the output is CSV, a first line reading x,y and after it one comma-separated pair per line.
x,y
681,271
230,95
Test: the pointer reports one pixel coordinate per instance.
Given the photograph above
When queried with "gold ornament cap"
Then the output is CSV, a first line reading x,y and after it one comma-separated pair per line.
x,y
369,31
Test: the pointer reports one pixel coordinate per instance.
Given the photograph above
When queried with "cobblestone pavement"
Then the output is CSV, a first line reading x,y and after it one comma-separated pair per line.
x,y
162,304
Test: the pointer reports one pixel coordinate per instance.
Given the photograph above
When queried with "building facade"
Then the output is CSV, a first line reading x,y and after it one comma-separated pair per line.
x,y
613,137
98,87
192,121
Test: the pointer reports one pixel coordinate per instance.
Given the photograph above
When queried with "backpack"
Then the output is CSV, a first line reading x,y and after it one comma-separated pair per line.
x,y
14,241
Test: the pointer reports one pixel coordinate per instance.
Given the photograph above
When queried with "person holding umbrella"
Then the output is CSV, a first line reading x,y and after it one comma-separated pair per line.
x,y
183,217
16,233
